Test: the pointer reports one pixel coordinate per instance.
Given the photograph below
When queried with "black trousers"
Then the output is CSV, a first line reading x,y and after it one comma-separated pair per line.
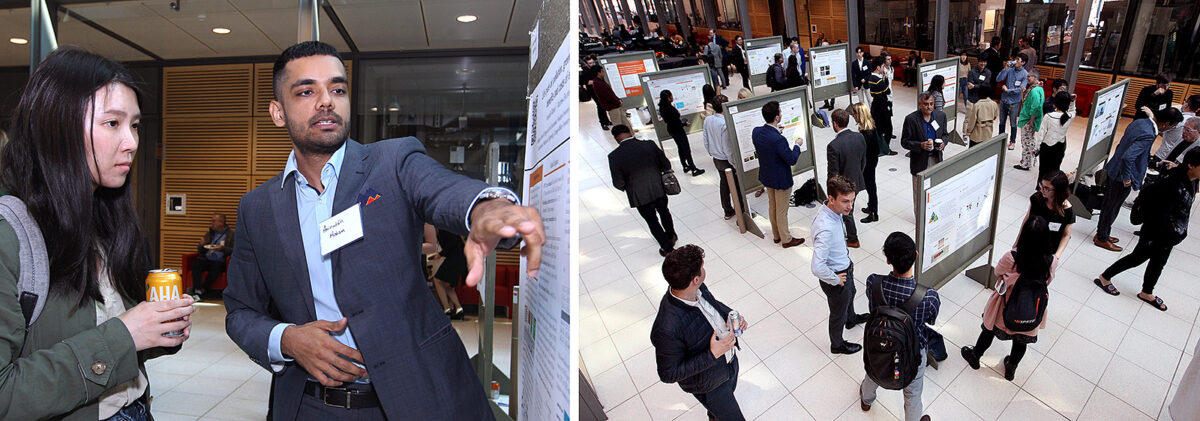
x,y
1115,194
744,70
1051,157
1147,249
663,232
726,195
985,341
603,115
851,229
685,150
214,269
869,180
881,111
841,306
720,402
724,76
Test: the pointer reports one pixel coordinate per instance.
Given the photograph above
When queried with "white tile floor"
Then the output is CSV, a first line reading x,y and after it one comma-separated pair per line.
x,y
212,379
1100,358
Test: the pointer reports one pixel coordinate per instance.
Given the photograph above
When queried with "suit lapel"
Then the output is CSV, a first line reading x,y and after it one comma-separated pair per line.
x,y
350,181
287,223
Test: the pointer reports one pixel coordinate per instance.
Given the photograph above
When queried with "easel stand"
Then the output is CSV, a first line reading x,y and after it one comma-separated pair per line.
x,y
744,220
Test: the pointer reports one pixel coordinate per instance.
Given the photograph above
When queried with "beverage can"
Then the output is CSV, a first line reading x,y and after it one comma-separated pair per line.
x,y
163,285
735,322
495,390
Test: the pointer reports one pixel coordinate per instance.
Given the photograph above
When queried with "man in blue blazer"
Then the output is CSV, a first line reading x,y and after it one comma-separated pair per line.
x,y
775,160
1126,169
325,283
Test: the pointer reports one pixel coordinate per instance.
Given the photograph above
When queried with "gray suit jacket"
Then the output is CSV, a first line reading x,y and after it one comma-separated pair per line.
x,y
417,364
847,156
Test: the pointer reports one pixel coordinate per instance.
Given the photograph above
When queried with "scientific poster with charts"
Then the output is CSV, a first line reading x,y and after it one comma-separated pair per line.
x,y
1108,112
829,68
957,210
544,304
687,90
949,87
745,120
624,76
762,57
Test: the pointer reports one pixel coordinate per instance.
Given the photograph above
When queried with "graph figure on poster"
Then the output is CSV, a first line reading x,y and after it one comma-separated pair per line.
x,y
958,210
687,90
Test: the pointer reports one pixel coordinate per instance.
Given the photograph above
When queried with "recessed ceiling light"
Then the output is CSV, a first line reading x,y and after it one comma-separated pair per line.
x,y
374,108
393,109
465,71
467,18
221,31
18,41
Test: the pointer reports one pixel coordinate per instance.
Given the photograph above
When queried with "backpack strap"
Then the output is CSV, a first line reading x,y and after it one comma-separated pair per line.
x,y
34,281
877,292
914,300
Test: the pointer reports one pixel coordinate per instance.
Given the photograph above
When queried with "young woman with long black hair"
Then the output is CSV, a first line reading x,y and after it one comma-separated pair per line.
x,y
73,139
675,127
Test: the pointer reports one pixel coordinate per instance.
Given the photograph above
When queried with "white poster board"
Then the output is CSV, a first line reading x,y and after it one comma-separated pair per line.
x,y
687,90
957,210
544,304
829,68
624,75
949,87
762,57
1108,112
792,117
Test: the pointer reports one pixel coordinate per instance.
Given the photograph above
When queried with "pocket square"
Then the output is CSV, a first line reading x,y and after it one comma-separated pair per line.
x,y
369,197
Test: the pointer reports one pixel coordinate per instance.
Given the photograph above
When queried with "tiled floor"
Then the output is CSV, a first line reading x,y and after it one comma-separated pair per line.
x,y
212,379
1100,358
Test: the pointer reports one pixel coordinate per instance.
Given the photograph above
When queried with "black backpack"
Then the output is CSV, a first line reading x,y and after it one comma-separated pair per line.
x,y
772,82
805,195
891,346
1025,305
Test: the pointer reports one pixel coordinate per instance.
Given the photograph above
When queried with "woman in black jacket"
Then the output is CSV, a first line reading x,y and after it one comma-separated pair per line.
x,y
793,72
675,127
866,126
1164,206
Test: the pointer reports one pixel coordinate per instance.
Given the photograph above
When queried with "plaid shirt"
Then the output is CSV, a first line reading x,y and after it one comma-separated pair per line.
x,y
897,290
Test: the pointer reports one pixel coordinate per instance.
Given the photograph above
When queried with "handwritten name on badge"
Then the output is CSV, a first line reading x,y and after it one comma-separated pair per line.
x,y
341,229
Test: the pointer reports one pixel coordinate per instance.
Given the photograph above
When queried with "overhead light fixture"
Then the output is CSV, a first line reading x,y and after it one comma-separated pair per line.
x,y
221,31
467,18
374,108
18,41
465,71
393,109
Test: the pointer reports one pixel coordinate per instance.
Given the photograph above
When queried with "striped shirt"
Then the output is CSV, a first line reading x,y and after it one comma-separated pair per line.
x,y
896,291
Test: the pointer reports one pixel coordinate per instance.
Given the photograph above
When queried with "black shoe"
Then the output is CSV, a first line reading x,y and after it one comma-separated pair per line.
x,y
674,238
1010,370
846,348
459,315
968,353
449,313
697,172
865,210
663,252
890,153
857,320
871,217
606,128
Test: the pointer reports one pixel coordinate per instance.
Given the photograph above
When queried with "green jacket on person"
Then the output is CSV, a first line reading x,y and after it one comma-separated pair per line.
x,y
1032,109
58,368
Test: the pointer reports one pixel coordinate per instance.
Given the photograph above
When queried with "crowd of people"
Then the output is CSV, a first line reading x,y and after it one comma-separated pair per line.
x,y
695,340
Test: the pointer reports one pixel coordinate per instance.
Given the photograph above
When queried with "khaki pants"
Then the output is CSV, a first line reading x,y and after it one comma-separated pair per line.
x,y
618,116
777,200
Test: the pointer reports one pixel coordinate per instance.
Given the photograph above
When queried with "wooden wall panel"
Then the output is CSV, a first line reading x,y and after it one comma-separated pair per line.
x,y
271,147
1179,92
207,90
1094,78
206,194
1193,90
206,145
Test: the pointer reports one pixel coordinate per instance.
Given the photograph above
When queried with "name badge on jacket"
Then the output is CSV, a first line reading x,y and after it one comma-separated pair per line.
x,y
935,124
341,229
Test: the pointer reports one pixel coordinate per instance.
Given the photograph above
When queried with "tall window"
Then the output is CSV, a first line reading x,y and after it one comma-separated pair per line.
x,y
1166,42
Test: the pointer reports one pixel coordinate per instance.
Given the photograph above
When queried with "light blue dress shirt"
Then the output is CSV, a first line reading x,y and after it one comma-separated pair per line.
x,y
313,208
830,254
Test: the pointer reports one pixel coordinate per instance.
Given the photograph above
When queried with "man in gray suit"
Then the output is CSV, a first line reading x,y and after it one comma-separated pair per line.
x,y
924,135
847,156
325,284
714,49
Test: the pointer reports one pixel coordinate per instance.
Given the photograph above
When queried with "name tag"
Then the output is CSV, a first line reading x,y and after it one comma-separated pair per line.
x,y
341,229
1162,107
864,67
981,78
1017,84
1055,226
935,124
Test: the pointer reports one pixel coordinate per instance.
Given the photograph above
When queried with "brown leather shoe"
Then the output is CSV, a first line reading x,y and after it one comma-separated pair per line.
x,y
795,242
1107,245
865,407
852,244
1114,239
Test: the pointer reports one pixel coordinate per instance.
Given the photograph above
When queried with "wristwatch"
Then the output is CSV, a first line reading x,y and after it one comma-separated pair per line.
x,y
506,194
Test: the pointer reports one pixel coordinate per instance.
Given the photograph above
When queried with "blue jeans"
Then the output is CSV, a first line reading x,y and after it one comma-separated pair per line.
x,y
1011,112
136,411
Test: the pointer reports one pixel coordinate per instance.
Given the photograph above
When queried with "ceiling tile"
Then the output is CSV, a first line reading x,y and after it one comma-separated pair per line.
x,y
384,26
14,23
244,39
488,31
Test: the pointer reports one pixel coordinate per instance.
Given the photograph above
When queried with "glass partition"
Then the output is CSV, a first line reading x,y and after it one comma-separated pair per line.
x,y
1163,41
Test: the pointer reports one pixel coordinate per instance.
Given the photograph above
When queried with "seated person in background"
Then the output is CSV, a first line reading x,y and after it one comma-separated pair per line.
x,y
693,342
213,248
1157,96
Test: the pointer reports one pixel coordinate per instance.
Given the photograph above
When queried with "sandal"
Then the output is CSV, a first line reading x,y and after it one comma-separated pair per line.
x,y
1110,289
1156,302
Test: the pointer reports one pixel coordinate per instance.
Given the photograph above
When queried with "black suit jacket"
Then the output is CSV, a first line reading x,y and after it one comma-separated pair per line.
x,y
417,364
847,156
680,335
914,134
637,167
